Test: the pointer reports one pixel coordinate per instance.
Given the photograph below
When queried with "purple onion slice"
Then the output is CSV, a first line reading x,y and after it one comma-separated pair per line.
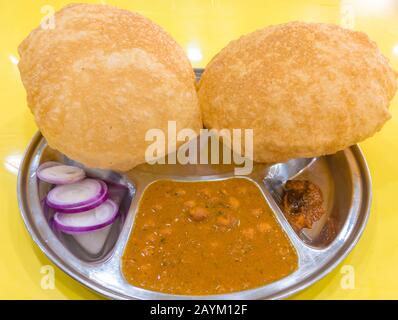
x,y
78,197
88,221
58,173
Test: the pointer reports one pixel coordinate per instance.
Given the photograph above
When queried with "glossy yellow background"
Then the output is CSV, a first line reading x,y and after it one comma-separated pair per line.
x,y
203,27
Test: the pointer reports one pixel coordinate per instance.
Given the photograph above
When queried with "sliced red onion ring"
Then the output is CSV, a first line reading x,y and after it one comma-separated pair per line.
x,y
78,197
58,173
94,219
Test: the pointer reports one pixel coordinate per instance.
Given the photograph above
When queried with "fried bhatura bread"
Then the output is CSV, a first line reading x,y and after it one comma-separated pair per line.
x,y
306,89
102,78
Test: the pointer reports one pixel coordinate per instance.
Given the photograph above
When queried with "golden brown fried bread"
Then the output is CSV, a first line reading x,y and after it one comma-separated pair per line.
x,y
307,89
101,79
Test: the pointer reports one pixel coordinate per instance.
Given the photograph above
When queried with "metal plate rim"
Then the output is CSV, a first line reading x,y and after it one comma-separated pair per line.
x,y
100,289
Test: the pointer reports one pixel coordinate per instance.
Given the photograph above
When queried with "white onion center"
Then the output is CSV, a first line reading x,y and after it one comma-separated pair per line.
x,y
62,171
76,192
93,217
60,174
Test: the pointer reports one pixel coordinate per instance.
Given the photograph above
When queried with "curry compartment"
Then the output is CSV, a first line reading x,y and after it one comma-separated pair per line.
x,y
206,237
343,179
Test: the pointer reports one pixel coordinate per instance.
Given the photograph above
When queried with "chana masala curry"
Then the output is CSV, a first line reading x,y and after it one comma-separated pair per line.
x,y
201,238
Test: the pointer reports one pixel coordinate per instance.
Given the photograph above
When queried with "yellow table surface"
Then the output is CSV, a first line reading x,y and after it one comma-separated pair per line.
x,y
203,27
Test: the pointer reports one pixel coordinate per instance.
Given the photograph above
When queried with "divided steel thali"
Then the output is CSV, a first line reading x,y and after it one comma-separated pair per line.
x,y
343,178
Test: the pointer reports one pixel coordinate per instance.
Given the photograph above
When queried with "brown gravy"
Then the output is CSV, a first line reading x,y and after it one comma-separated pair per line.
x,y
200,238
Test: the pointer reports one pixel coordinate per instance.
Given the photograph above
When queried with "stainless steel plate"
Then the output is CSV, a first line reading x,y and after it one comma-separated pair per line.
x,y
343,177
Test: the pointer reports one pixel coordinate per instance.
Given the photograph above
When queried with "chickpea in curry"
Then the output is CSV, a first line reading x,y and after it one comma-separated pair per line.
x,y
201,238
